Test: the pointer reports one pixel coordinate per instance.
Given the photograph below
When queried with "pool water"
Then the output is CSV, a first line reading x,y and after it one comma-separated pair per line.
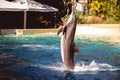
x,y
37,57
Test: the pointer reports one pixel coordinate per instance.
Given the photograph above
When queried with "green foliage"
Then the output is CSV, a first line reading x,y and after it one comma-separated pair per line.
x,y
117,16
95,7
88,20
78,13
100,11
64,19
109,20
41,19
109,8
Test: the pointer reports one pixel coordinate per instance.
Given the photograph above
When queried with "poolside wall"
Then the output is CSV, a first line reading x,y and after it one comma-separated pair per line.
x,y
26,31
82,29
7,31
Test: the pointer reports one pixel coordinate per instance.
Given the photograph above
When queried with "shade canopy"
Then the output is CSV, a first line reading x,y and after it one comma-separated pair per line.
x,y
29,5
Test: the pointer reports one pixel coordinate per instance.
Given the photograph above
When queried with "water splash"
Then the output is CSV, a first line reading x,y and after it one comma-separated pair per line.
x,y
93,66
81,67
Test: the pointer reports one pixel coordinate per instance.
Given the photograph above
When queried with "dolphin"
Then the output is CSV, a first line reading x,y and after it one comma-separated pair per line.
x,y
68,47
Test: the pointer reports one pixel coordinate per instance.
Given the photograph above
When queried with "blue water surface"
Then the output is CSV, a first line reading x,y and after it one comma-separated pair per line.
x,y
37,57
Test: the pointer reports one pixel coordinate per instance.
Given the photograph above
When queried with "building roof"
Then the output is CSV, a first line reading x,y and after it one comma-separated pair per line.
x,y
36,6
30,5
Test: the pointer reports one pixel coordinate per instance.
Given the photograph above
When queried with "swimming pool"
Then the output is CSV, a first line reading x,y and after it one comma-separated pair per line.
x,y
37,57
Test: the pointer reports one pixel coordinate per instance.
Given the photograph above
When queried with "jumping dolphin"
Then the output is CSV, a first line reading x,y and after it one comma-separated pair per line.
x,y
68,46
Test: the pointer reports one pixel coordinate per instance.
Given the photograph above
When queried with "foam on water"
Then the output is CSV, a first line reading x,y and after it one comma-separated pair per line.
x,y
93,66
81,67
34,46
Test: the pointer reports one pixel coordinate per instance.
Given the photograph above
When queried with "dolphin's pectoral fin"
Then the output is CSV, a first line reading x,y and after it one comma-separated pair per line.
x,y
62,29
59,30
76,49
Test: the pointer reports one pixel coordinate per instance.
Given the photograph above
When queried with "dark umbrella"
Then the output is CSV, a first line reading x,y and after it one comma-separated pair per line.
x,y
29,5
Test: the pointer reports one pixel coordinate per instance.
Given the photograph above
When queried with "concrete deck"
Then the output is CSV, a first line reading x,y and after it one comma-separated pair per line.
x,y
107,30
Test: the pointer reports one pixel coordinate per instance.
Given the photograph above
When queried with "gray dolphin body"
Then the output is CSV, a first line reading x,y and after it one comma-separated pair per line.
x,y
68,46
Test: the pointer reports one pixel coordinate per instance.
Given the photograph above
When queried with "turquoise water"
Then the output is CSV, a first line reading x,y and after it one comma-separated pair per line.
x,y
37,57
